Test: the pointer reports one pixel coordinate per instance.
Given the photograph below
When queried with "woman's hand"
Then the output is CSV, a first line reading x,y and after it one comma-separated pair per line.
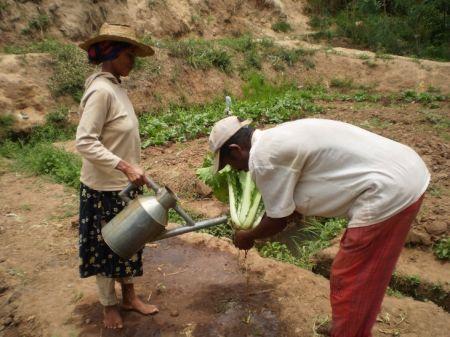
x,y
243,239
135,174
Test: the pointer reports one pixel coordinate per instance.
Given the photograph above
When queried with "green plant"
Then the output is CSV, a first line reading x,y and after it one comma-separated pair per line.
x,y
39,23
442,249
200,54
281,26
59,116
6,123
238,188
3,7
342,83
277,251
404,27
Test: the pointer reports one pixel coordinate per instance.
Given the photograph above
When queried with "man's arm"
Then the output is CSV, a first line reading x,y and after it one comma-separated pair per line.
x,y
245,239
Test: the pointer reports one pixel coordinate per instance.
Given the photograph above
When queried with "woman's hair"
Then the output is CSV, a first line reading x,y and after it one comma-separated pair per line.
x,y
243,138
105,51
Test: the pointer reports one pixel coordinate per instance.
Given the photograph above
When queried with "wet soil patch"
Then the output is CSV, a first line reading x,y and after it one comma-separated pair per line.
x,y
200,293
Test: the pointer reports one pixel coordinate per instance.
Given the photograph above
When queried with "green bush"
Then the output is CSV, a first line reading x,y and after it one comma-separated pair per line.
x,y
200,54
404,27
281,26
59,116
39,23
6,122
44,159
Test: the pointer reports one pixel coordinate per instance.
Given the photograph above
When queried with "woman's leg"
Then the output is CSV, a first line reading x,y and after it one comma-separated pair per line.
x,y
107,297
131,301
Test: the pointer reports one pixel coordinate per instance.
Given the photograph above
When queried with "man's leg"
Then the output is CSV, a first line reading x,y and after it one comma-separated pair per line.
x,y
107,297
362,270
132,302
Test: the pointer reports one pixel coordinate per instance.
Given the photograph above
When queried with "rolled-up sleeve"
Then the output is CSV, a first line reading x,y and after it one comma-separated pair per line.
x,y
277,185
88,137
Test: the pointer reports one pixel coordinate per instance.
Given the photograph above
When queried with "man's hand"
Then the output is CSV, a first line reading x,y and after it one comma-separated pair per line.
x,y
243,240
135,174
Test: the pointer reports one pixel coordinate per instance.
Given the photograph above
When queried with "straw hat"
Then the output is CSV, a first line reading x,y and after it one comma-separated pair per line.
x,y
122,33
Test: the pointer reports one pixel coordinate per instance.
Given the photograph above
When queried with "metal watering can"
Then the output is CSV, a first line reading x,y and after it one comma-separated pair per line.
x,y
144,220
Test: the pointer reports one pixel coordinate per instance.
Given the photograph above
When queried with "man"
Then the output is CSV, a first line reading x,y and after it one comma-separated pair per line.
x,y
328,168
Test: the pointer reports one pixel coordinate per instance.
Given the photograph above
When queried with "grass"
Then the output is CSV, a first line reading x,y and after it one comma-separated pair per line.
x,y
35,153
6,123
319,233
200,54
39,24
242,53
406,27
70,67
281,27
341,83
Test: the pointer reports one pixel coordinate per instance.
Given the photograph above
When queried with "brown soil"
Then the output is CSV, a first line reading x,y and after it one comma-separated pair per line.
x,y
197,280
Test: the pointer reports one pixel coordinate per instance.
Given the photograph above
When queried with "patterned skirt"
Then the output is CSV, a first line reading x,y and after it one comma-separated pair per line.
x,y
96,209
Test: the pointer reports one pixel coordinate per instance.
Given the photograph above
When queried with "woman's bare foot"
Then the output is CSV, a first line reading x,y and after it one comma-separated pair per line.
x,y
132,302
112,318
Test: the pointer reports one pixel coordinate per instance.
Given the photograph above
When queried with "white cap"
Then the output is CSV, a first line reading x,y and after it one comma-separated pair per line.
x,y
220,133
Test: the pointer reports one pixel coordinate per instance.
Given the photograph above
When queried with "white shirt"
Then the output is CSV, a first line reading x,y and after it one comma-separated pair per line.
x,y
328,168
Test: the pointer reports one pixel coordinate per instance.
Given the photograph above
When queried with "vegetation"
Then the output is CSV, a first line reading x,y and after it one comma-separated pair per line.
x,y
39,23
70,65
315,237
404,27
6,123
36,154
281,26
442,249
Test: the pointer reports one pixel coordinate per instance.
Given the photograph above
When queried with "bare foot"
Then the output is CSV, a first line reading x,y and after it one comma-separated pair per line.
x,y
132,302
112,318
137,305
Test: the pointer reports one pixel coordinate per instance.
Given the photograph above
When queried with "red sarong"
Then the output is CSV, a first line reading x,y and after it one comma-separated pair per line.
x,y
362,270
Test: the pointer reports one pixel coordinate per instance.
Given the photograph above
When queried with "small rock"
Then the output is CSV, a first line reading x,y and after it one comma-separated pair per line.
x,y
3,287
436,228
31,318
11,215
53,7
87,321
75,222
174,313
7,321
416,237
202,189
14,297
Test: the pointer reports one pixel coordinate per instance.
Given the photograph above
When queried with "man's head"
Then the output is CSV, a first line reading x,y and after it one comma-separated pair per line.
x,y
230,141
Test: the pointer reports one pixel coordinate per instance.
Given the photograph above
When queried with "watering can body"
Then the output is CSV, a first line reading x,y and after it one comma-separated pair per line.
x,y
145,218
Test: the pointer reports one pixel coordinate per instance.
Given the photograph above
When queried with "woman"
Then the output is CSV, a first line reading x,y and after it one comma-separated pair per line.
x,y
108,140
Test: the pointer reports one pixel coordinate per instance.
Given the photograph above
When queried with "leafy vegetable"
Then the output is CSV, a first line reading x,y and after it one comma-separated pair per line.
x,y
239,190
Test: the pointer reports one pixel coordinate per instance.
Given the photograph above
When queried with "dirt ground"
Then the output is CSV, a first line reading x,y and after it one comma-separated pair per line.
x,y
201,283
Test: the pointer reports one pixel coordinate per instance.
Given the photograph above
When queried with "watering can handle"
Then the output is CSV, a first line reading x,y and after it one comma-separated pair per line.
x,y
155,187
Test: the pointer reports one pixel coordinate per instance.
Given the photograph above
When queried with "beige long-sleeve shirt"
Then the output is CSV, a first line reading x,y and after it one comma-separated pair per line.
x,y
107,133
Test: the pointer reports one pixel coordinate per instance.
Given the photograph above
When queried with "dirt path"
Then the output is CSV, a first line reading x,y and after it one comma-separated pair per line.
x,y
196,280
